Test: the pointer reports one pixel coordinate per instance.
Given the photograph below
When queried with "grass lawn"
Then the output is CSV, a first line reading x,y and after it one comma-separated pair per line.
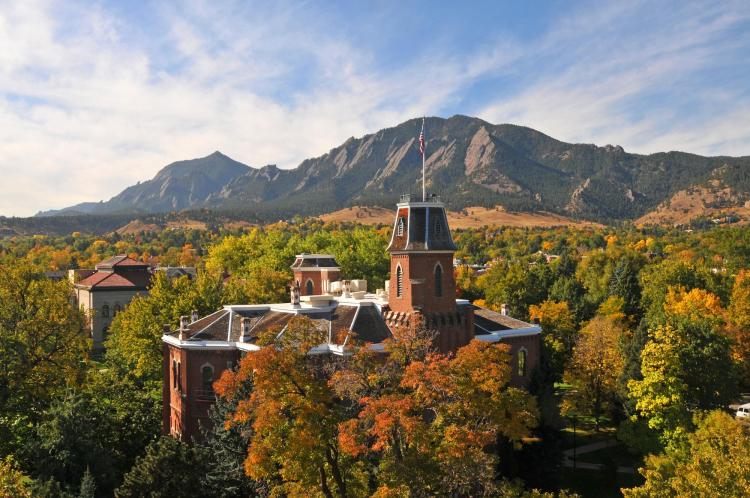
x,y
595,484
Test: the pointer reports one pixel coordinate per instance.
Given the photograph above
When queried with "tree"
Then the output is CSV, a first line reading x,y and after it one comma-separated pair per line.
x,y
43,348
558,334
685,367
714,462
88,485
226,447
169,468
624,283
595,367
13,482
134,345
432,437
72,438
739,322
294,416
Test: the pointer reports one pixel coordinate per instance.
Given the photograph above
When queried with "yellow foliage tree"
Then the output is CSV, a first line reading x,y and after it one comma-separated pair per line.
x,y
716,462
595,367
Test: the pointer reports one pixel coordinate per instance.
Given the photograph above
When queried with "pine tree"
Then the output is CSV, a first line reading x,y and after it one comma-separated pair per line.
x,y
624,283
88,485
227,449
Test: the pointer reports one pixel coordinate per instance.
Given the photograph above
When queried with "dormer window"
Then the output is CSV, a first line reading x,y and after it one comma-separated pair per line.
x,y
400,227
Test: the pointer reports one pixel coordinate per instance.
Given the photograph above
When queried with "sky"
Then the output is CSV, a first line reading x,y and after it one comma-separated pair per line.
x,y
97,96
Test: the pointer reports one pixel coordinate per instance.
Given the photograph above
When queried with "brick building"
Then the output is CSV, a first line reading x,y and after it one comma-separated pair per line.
x,y
420,292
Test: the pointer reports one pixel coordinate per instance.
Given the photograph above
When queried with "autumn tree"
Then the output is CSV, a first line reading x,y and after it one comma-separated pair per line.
x,y
431,435
686,365
595,367
294,416
714,462
739,322
558,334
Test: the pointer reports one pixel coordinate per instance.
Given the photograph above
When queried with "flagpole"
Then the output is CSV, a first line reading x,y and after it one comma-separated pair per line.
x,y
424,153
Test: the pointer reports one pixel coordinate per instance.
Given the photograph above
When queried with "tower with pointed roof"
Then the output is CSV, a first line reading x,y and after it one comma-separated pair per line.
x,y
422,288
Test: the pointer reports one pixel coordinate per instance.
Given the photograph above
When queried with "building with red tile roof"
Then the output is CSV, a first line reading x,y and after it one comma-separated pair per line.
x,y
107,290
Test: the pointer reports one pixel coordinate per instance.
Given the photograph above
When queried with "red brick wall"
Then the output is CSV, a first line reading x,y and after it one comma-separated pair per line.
x,y
187,406
317,277
532,346
420,267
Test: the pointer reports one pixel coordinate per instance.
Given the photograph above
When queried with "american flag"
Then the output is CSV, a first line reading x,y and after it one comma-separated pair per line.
x,y
421,140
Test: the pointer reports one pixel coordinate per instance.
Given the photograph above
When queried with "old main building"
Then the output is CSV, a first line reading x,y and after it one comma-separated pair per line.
x,y
421,291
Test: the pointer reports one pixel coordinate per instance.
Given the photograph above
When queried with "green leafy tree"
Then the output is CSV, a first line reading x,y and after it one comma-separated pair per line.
x,y
685,367
134,343
43,348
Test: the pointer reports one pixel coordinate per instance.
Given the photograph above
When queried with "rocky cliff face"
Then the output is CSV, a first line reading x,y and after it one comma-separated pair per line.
x,y
469,161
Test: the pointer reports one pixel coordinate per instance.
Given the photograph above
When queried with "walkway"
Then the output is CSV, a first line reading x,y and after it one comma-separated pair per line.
x,y
588,448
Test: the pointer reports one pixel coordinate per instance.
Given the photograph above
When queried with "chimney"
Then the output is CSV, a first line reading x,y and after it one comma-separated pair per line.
x,y
183,326
245,329
504,309
194,316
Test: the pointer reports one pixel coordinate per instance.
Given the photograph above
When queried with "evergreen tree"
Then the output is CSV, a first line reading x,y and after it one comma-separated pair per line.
x,y
88,485
227,449
169,468
624,283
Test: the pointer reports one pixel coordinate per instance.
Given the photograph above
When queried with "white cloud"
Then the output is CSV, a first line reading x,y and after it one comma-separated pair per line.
x,y
90,104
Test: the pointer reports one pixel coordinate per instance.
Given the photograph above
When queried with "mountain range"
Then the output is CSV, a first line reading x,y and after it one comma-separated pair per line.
x,y
469,162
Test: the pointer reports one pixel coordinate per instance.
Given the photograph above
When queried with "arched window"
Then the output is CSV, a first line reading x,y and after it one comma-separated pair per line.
x,y
400,227
438,281
522,363
105,311
207,377
118,309
399,281
309,287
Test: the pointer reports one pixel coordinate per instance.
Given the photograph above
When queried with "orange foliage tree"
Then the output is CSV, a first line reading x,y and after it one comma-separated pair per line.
x,y
404,421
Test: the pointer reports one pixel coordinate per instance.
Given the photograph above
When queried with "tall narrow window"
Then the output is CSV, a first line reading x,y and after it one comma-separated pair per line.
x,y
522,363
118,309
400,227
438,226
207,378
174,374
309,287
439,281
399,281
179,375
105,311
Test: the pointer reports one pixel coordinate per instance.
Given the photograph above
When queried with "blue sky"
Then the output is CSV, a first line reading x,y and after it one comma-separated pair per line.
x,y
96,96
